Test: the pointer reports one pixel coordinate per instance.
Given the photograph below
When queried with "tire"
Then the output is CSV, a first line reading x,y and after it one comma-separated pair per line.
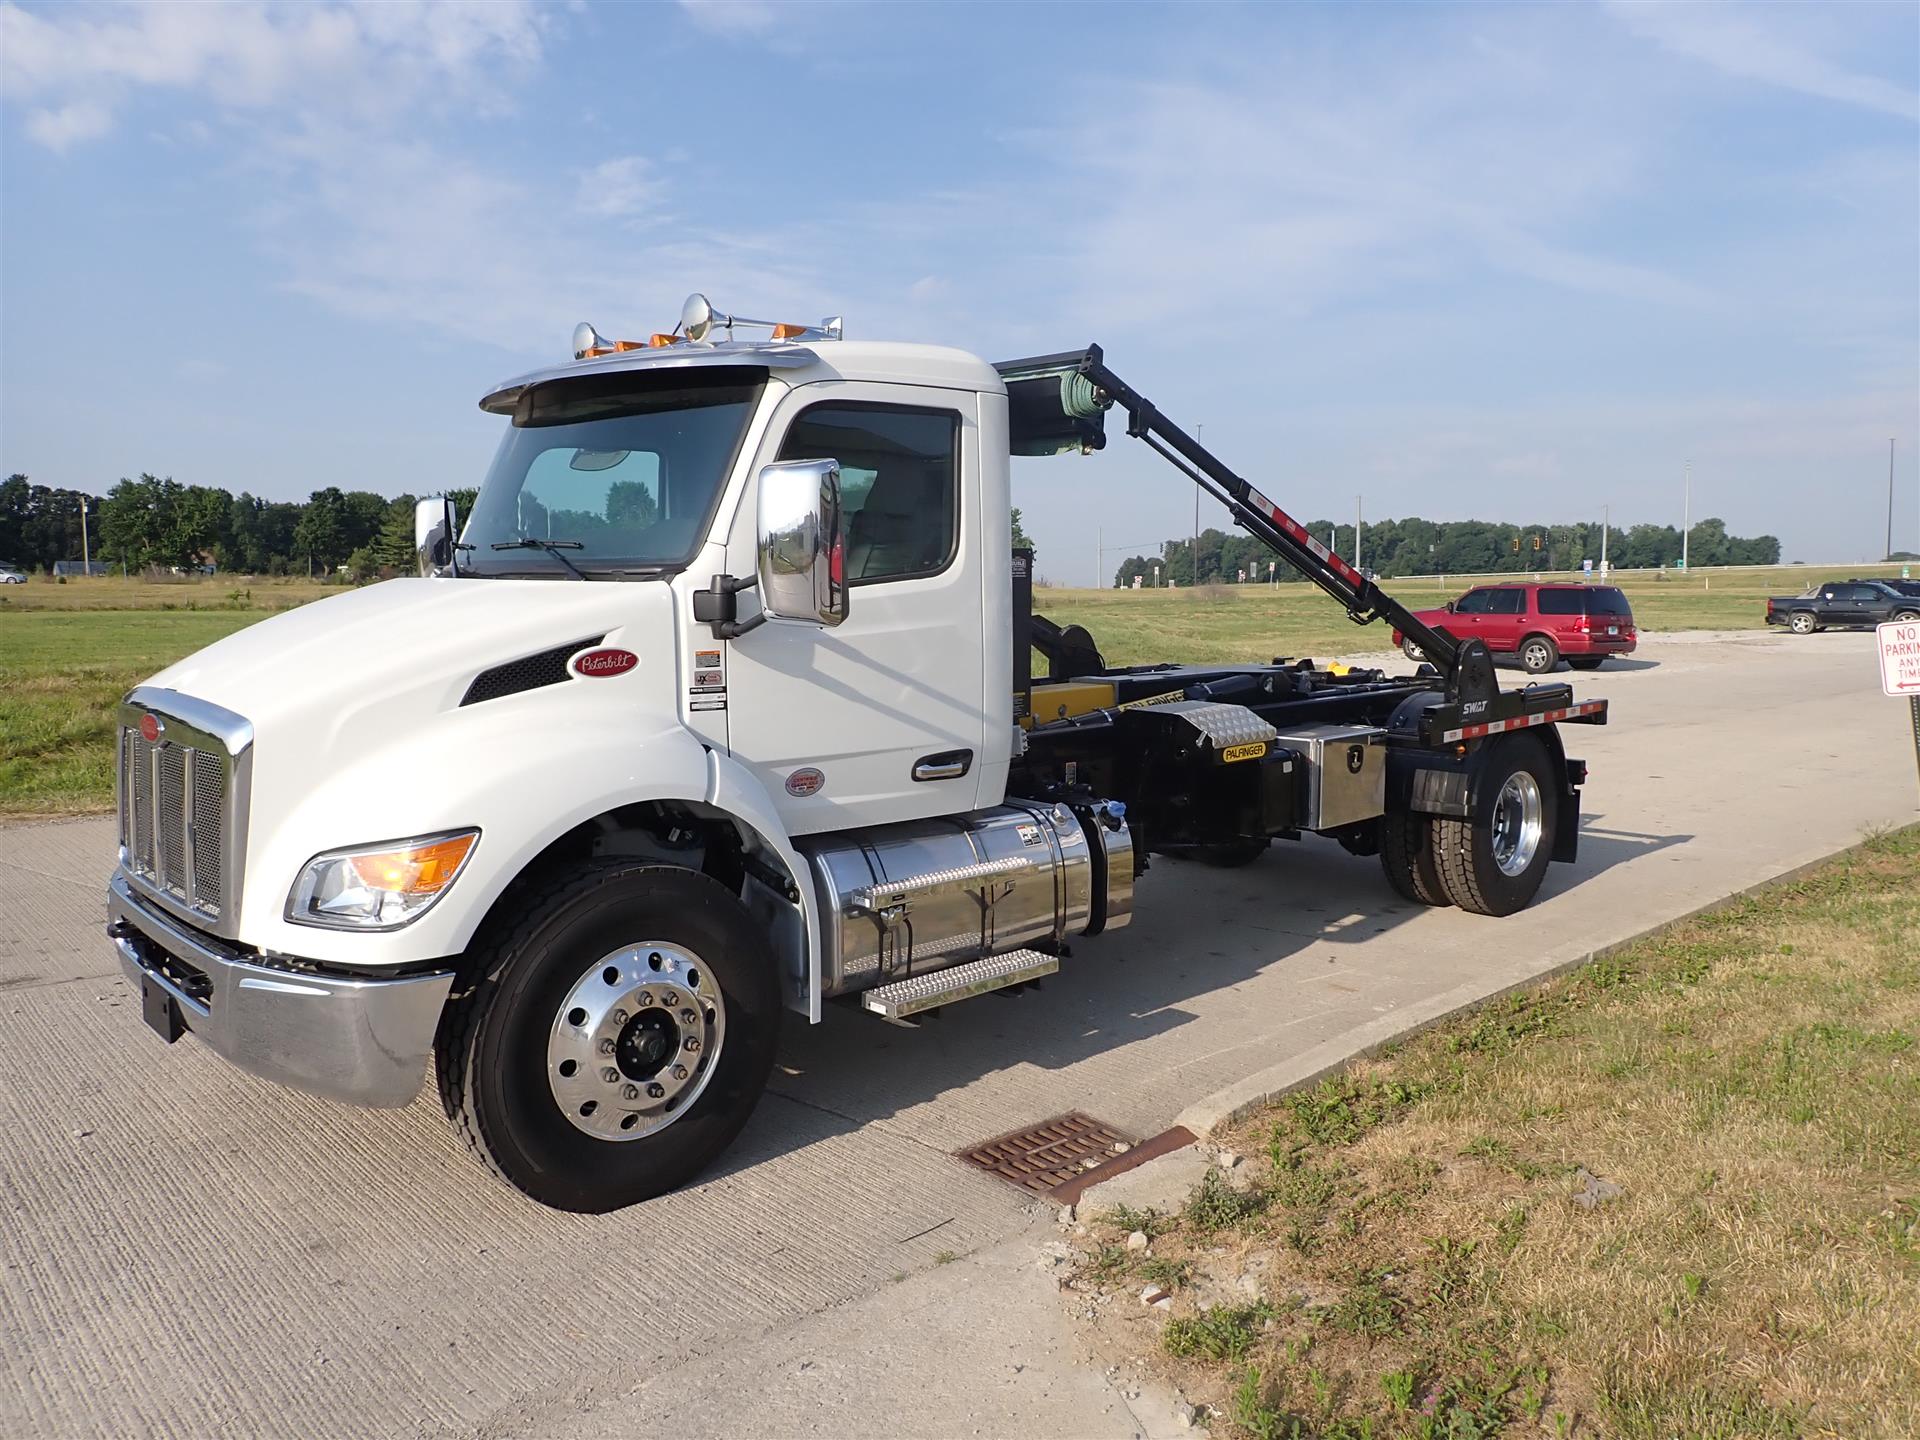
x,y
1468,854
1412,651
1538,654
1801,622
1905,617
1406,854
496,1056
1586,662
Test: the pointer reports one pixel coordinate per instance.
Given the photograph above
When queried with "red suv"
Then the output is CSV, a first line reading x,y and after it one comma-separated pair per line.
x,y
1537,624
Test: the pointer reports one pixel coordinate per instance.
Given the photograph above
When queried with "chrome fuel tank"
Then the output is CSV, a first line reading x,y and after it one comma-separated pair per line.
x,y
903,899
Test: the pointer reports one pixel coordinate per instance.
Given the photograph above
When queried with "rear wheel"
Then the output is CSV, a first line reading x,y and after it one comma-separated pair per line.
x,y
1538,654
1412,651
1585,662
1493,863
619,1034
1801,622
1406,854
1906,616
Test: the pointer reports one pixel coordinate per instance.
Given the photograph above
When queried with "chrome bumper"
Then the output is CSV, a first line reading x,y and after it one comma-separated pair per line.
x,y
362,1041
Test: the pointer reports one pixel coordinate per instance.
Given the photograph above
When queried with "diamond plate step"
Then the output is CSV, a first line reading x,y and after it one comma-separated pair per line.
x,y
934,882
901,998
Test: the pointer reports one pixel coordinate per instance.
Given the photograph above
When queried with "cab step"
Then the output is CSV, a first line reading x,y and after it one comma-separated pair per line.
x,y
899,999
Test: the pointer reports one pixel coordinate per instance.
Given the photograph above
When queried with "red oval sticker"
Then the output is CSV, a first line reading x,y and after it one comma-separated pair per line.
x,y
594,664
805,782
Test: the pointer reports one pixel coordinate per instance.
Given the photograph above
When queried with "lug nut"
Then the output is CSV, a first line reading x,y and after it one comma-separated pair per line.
x,y
688,1017
609,1074
669,999
655,1091
629,1092
619,1017
606,1046
679,1072
643,999
692,1042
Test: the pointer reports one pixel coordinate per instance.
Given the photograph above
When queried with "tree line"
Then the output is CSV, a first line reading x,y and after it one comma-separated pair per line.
x,y
155,524
1457,547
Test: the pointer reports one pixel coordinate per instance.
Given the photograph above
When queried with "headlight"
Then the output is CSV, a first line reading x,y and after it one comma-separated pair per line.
x,y
379,887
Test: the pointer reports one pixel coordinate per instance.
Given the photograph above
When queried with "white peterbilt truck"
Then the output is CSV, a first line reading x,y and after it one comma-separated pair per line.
x,y
722,703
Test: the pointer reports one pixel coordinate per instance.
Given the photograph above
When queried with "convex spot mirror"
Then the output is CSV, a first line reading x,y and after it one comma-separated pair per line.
x,y
802,567
434,532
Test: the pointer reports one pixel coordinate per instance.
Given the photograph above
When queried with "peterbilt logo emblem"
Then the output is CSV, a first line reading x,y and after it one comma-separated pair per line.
x,y
804,782
151,729
595,664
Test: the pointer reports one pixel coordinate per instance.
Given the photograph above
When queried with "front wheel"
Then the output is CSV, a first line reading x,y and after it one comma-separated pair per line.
x,y
618,1036
1538,655
1412,651
1493,863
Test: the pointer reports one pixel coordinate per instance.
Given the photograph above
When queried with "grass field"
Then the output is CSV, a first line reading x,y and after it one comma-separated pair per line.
x,y
67,652
1676,1193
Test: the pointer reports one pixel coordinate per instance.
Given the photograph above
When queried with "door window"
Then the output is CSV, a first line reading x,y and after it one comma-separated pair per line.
x,y
899,483
1506,602
1561,602
1474,602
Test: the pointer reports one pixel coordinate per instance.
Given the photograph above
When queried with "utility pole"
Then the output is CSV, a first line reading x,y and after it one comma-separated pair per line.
x,y
1686,514
1888,552
1358,502
1605,525
1200,435
86,567
1099,559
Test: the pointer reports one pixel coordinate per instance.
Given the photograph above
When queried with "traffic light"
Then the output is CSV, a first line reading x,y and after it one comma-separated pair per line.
x,y
1536,542
1516,544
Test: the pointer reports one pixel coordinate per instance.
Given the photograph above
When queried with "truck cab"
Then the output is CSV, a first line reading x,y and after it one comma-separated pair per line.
x,y
720,704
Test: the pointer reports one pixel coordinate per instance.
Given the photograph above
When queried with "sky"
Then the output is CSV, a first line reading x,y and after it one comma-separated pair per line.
x,y
1508,262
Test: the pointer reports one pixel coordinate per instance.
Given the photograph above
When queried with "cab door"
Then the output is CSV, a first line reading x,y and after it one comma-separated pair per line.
x,y
880,718
1501,626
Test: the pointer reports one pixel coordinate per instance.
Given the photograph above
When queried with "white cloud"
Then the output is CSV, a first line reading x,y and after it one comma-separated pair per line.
x,y
1737,43
370,58
67,125
731,17
621,187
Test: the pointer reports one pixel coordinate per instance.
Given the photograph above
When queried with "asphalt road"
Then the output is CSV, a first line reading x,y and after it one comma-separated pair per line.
x,y
190,1251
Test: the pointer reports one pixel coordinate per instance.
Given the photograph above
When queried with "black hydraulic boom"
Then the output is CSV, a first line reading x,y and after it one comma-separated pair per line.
x,y
1363,600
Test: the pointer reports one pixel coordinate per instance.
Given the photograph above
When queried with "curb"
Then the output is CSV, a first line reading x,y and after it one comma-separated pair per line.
x,y
1263,1087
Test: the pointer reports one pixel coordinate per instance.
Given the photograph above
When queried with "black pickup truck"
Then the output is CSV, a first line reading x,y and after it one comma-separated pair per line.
x,y
1840,604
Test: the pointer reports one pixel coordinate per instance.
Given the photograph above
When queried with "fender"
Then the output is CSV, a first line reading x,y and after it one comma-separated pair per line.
x,y
478,770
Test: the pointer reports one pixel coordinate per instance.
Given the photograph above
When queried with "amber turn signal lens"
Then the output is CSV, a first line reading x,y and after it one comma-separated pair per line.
x,y
417,870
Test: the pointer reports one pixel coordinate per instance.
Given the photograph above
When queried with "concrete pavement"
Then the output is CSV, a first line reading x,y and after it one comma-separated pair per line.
x,y
190,1251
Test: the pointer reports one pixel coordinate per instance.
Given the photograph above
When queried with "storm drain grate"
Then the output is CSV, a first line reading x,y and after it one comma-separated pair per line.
x,y
1045,1156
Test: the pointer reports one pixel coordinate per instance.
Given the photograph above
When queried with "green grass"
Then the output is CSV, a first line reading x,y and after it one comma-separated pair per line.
x,y
61,674
1749,1080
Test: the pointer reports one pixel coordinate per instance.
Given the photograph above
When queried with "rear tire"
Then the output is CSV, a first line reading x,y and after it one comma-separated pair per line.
x,y
1538,655
1586,662
1412,651
1406,854
1493,864
1906,617
1801,622
500,1082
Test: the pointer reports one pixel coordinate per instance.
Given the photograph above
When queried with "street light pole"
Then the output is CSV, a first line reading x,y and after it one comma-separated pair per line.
x,y
1605,525
1889,550
1686,514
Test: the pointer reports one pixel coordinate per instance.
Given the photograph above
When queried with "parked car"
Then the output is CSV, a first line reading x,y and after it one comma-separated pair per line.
x,y
1538,624
1840,605
11,576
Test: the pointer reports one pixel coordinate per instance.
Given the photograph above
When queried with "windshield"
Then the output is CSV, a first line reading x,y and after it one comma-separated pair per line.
x,y
619,471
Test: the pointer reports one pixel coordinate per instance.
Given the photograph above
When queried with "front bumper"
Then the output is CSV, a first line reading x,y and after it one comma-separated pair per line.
x,y
359,1040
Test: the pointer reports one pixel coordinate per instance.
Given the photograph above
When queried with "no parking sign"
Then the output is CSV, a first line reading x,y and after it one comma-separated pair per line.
x,y
1898,644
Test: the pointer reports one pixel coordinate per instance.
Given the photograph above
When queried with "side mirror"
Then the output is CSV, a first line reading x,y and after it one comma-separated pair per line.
x,y
803,543
1449,606
434,532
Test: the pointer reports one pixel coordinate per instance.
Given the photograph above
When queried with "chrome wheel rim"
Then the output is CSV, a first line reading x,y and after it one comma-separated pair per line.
x,y
1517,823
1802,623
635,1041
1536,657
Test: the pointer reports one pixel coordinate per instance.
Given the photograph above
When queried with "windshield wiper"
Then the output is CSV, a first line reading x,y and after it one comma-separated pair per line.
x,y
552,547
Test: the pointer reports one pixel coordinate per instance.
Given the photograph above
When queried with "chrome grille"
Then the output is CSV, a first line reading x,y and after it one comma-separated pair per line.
x,y
182,806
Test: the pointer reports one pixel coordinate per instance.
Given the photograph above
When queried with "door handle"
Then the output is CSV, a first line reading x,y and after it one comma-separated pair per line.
x,y
947,765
